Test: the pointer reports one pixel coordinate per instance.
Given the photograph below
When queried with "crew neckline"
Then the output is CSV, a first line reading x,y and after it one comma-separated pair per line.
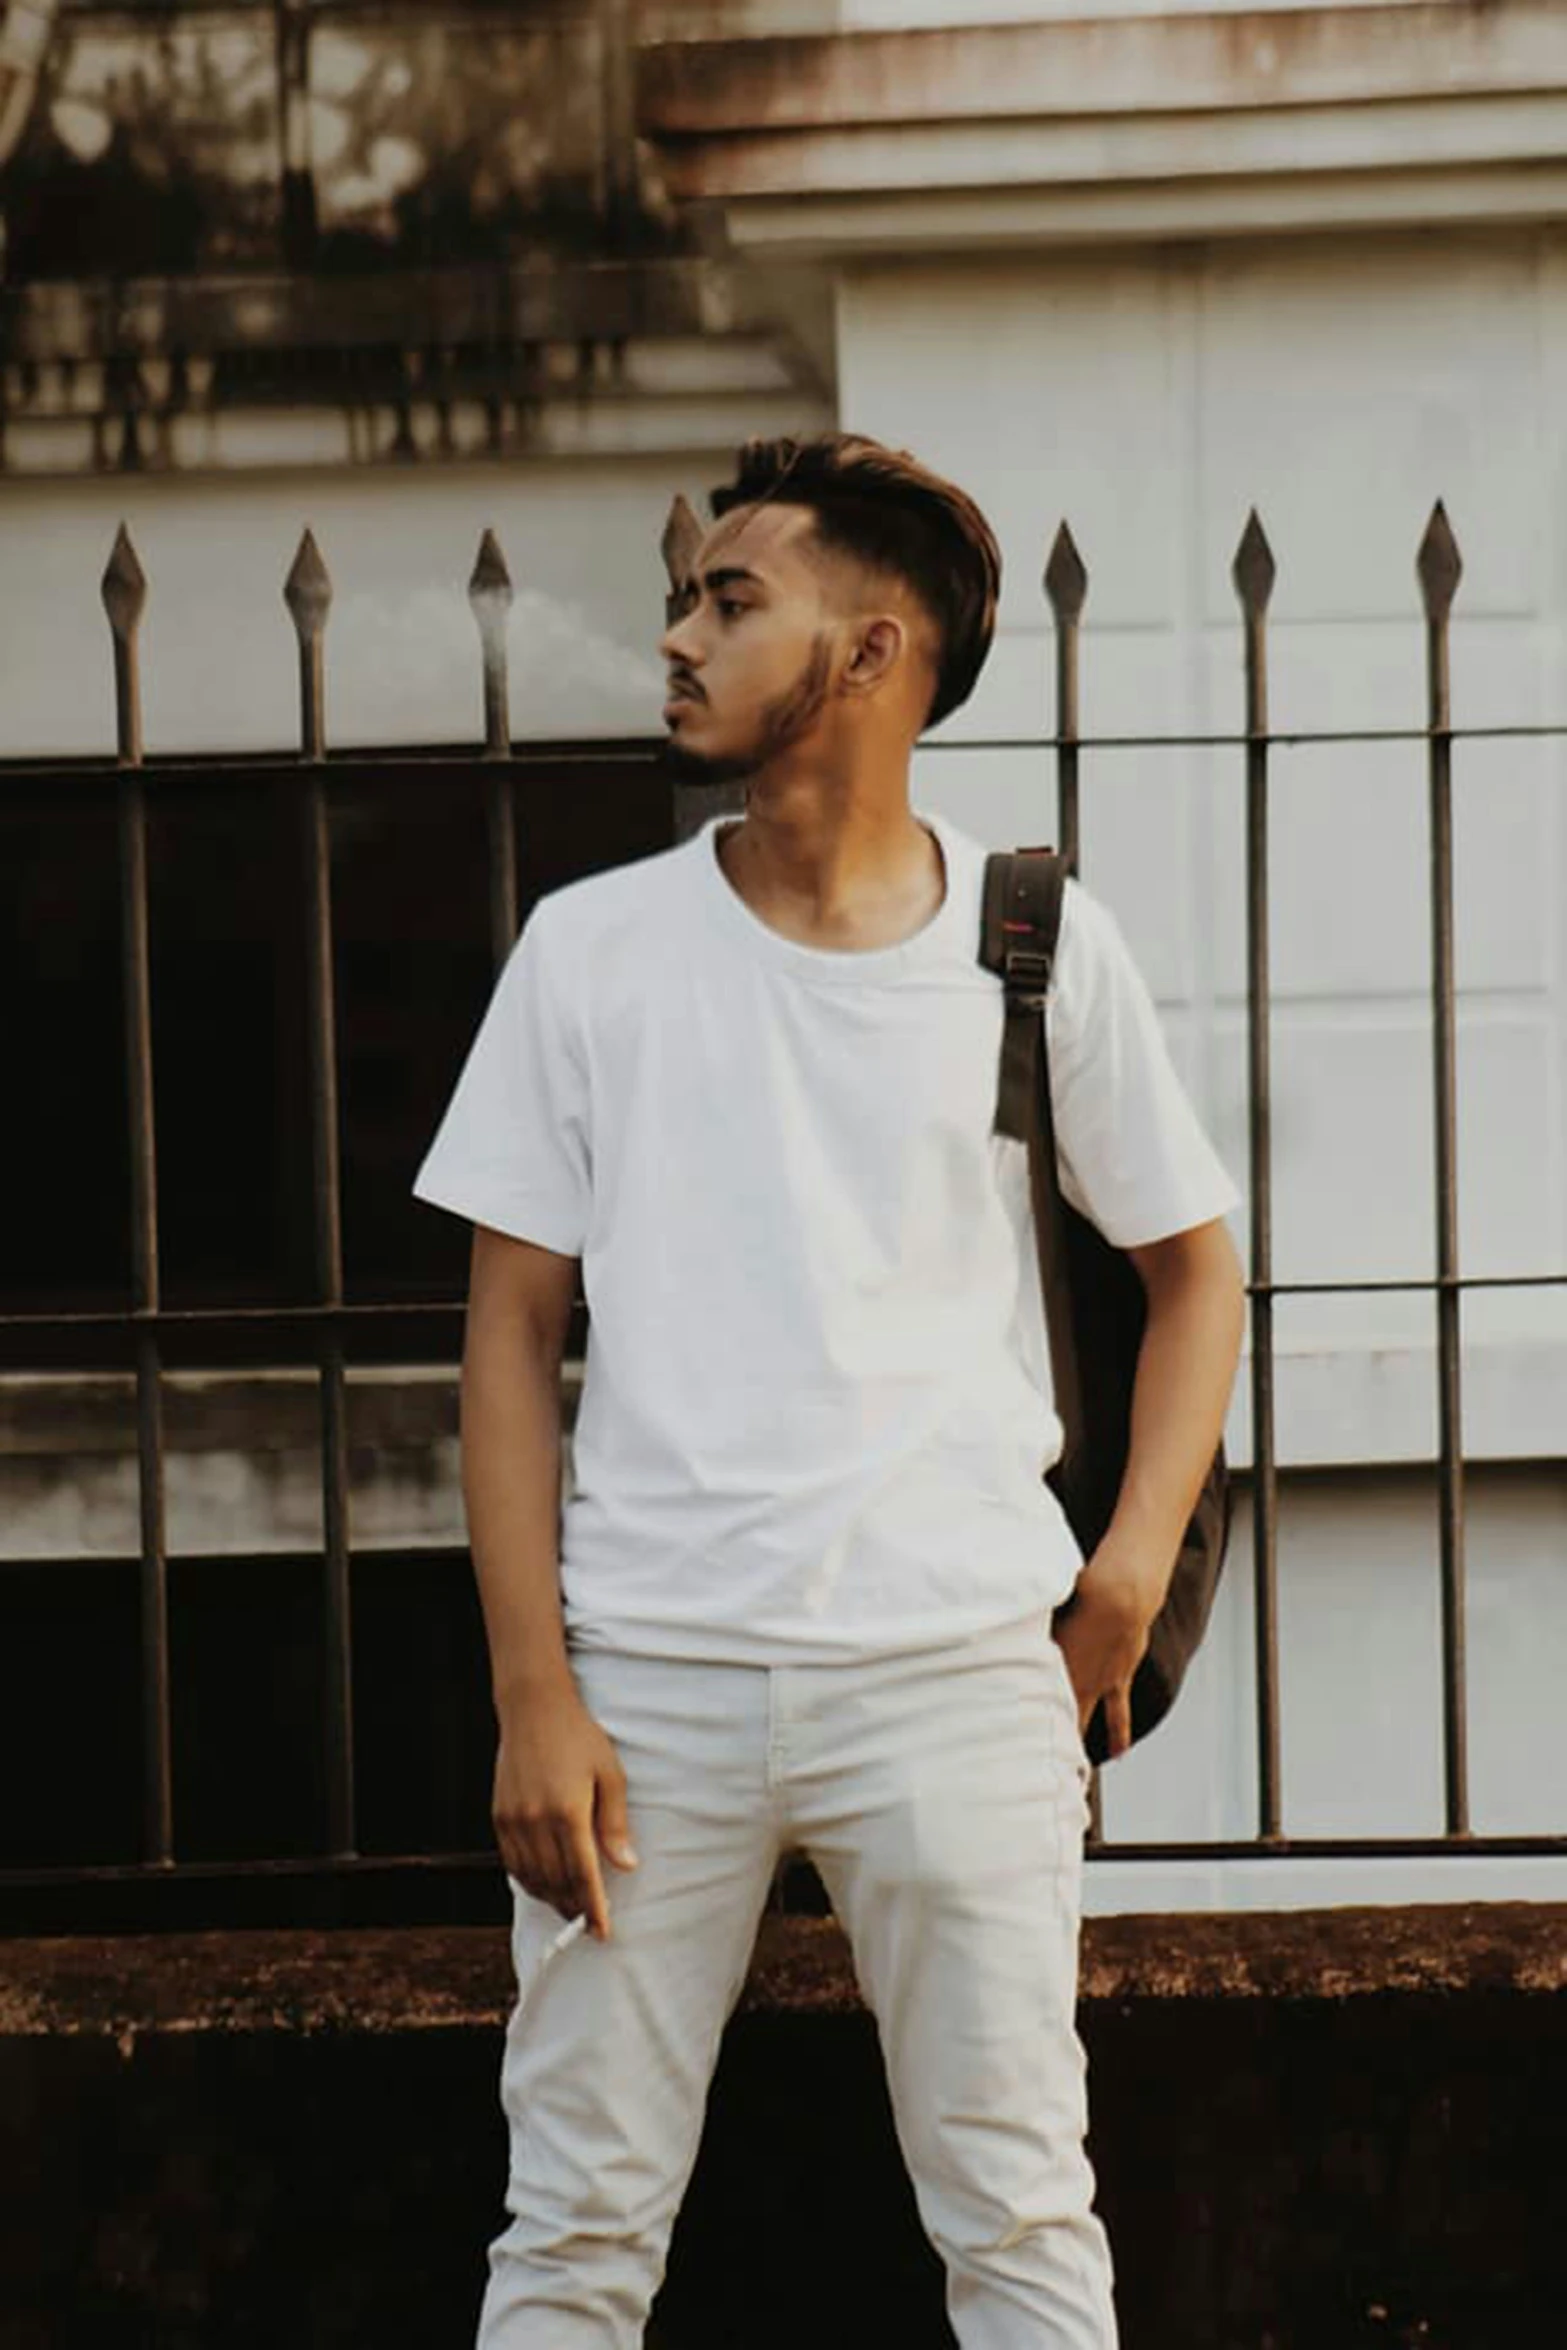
x,y
847,964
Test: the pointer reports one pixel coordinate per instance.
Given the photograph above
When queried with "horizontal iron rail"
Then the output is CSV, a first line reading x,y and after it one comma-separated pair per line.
x,y
639,753
310,1317
412,1864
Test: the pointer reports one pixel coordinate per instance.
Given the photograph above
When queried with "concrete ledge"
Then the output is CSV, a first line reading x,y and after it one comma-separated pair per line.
x,y
1104,65
1338,2130
1111,128
412,1980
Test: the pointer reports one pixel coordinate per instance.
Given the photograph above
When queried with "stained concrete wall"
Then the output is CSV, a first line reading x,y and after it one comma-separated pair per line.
x,y
1340,385
1337,2132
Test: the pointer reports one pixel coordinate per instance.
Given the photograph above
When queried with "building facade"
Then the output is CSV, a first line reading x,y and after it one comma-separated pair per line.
x,y
1145,269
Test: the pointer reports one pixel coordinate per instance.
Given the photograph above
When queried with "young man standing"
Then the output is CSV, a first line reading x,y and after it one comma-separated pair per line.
x,y
801,1594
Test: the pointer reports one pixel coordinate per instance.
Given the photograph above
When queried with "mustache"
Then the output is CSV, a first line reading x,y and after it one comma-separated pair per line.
x,y
681,684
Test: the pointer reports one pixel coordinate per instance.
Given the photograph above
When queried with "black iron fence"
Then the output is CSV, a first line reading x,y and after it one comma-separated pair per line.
x,y
532,818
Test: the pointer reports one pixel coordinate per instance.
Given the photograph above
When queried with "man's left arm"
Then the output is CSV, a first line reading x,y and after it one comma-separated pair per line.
x,y
1185,1371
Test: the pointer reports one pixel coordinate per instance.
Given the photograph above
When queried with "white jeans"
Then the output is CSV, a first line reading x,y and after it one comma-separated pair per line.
x,y
942,1799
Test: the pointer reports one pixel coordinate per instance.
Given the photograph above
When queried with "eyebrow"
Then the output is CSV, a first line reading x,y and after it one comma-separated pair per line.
x,y
730,575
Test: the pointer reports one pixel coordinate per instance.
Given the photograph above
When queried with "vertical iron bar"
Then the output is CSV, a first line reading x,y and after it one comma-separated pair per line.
x,y
617,121
308,595
1253,576
501,815
292,28
490,594
694,803
1066,585
124,597
1440,568
1066,588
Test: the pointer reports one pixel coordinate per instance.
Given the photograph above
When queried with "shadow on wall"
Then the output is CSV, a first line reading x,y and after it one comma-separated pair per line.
x,y
155,149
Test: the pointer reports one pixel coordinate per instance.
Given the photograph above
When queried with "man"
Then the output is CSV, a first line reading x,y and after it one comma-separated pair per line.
x,y
803,1592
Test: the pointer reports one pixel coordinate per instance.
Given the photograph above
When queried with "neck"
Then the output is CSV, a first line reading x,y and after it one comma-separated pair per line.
x,y
847,869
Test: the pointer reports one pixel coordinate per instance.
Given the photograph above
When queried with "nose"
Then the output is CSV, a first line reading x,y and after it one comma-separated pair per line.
x,y
675,649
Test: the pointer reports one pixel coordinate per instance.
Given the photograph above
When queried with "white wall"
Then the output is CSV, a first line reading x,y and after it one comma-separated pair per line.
x,y
1152,398
219,659
1360,1702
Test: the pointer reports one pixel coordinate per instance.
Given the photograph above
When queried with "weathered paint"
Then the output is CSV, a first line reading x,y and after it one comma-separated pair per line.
x,y
419,1979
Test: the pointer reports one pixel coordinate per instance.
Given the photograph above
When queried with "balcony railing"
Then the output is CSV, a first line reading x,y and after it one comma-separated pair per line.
x,y
327,1313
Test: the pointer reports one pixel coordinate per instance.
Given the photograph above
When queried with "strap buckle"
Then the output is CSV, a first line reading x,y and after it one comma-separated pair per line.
x,y
1025,974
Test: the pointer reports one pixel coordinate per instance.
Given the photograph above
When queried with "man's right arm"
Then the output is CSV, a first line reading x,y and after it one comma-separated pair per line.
x,y
560,1794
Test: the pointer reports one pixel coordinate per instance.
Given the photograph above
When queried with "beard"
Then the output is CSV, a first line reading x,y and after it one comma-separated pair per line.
x,y
783,722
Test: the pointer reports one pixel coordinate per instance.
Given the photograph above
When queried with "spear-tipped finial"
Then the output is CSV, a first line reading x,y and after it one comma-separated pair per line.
x,y
1254,570
308,595
489,593
682,536
308,589
491,581
124,586
1066,580
1439,564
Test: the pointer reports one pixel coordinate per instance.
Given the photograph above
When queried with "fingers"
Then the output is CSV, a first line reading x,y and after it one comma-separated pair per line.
x,y
1118,1717
549,1837
614,1829
553,1861
528,1852
582,1876
537,1853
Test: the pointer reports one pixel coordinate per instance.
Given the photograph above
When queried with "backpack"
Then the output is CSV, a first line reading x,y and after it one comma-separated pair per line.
x,y
1093,1298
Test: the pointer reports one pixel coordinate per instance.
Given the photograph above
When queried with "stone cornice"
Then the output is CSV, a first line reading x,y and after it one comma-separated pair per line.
x,y
1120,127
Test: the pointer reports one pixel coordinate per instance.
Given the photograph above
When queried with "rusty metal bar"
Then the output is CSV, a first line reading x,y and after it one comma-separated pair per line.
x,y
694,802
490,594
1253,576
617,120
1440,567
308,595
1066,588
1526,1846
1066,585
221,1318
681,538
292,20
124,591
501,822
329,1286
408,1888
124,597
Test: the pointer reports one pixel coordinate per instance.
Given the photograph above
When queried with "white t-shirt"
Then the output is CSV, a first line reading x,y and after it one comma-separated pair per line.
x,y
816,1403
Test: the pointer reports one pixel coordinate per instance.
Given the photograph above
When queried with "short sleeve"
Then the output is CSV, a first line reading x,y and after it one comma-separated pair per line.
x,y
513,1150
1133,1156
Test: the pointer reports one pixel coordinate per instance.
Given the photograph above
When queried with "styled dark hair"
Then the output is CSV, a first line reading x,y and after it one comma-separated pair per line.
x,y
893,514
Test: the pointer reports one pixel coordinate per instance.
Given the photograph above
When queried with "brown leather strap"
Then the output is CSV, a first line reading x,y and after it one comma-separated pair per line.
x,y
1022,922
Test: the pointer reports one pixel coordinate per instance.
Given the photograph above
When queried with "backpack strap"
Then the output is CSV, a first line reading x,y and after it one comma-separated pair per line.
x,y
1021,928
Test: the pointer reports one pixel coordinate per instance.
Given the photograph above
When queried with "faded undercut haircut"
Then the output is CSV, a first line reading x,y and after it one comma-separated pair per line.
x,y
881,507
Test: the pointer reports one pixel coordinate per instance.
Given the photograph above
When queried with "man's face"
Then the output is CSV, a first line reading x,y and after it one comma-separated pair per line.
x,y
750,660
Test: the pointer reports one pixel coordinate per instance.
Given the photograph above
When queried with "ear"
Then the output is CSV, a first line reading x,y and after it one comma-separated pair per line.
x,y
877,649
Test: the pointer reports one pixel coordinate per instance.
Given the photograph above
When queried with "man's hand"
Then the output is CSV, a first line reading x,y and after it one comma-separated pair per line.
x,y
560,1796
1103,1634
